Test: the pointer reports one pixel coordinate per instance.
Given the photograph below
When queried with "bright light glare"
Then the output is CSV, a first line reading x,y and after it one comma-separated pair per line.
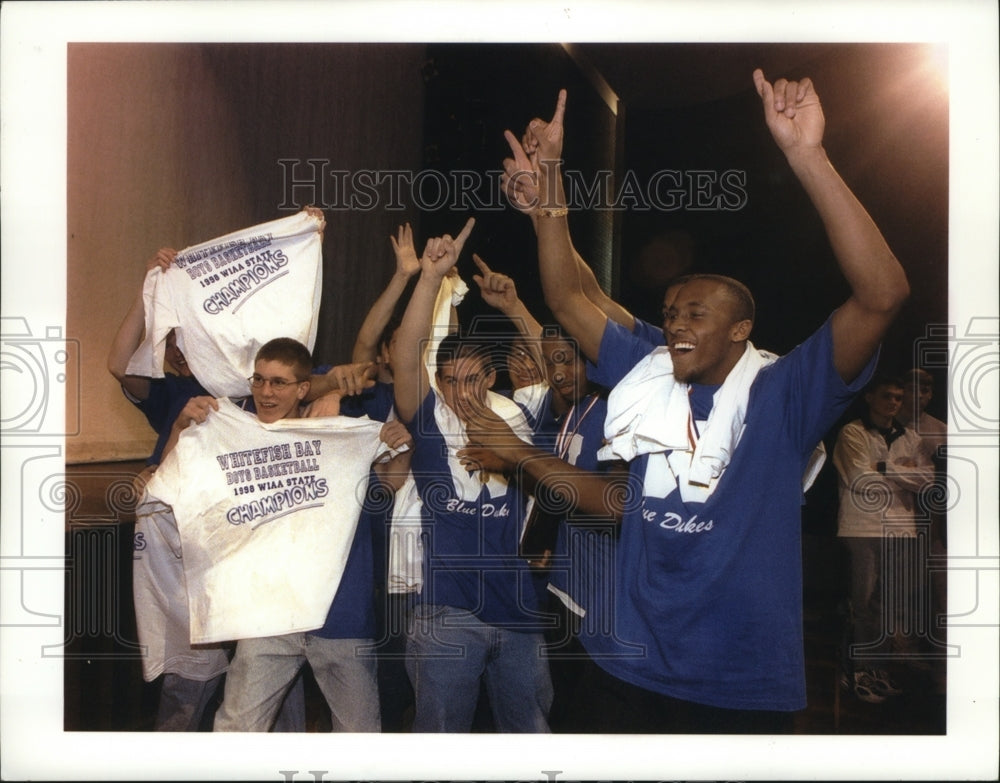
x,y
937,65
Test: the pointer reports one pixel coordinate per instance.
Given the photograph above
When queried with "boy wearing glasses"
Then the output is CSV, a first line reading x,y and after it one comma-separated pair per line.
x,y
264,667
191,677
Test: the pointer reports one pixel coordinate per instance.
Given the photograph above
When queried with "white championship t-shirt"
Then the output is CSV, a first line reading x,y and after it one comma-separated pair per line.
x,y
266,514
161,605
228,296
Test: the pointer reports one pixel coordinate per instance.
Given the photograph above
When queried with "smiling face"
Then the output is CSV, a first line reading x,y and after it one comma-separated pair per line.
x,y
175,357
275,403
705,330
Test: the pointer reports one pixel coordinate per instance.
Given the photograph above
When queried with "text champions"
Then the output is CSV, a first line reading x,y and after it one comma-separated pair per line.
x,y
278,503
241,266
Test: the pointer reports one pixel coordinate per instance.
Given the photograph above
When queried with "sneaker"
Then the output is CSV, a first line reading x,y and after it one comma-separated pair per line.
x,y
863,685
883,683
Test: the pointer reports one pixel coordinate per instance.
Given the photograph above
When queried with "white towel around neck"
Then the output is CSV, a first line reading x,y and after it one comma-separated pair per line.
x,y
468,486
648,413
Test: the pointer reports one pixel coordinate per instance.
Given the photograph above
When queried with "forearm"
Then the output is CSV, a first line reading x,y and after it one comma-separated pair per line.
x,y
525,323
557,262
878,283
529,328
366,343
588,493
409,370
592,289
556,257
320,385
392,473
127,338
913,478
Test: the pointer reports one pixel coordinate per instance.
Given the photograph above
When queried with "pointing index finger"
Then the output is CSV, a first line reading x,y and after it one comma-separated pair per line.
x,y
759,81
557,118
483,267
466,230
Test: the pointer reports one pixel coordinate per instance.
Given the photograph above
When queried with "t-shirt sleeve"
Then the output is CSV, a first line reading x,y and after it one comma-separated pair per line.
x,y
816,394
648,333
642,330
620,351
423,419
375,403
156,405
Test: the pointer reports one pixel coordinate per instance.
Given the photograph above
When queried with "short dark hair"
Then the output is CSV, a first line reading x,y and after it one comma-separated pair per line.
x,y
884,379
745,310
679,280
457,346
287,351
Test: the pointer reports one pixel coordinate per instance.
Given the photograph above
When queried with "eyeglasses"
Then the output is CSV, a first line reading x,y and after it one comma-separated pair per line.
x,y
278,384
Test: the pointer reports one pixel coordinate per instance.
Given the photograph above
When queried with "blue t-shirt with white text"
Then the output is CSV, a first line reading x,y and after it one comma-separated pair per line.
x,y
708,600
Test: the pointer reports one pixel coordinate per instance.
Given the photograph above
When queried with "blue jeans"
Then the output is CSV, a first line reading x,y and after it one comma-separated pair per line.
x,y
448,652
263,669
183,702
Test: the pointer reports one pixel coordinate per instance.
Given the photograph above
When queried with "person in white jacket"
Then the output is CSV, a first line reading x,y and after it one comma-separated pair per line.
x,y
882,470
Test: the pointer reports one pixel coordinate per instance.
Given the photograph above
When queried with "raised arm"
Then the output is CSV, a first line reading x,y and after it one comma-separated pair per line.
x,y
407,265
557,259
499,292
878,283
519,183
410,374
343,379
130,333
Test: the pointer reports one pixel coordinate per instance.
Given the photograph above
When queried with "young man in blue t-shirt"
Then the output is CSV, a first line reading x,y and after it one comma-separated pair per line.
x,y
477,620
718,436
